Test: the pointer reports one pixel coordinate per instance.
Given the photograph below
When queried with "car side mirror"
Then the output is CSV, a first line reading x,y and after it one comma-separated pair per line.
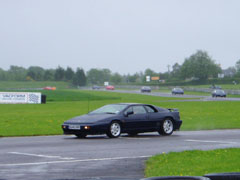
x,y
128,113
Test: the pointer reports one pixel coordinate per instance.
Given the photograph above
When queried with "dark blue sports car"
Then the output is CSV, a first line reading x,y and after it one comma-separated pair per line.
x,y
130,118
177,91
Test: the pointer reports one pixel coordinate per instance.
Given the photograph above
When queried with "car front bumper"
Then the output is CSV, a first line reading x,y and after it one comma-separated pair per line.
x,y
85,128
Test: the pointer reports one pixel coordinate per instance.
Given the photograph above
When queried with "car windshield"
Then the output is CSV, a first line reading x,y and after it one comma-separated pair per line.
x,y
178,89
219,91
109,109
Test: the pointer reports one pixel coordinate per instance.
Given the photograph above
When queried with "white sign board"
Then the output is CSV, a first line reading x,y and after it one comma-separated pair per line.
x,y
148,78
20,98
220,75
106,83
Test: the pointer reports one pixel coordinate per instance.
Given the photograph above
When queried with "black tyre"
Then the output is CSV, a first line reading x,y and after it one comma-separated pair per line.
x,y
177,178
166,127
224,176
114,130
82,135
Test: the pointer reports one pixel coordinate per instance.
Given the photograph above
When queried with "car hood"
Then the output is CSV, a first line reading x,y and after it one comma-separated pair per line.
x,y
220,93
177,90
90,118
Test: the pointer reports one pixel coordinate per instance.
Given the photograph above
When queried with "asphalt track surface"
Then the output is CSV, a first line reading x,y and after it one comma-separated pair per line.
x,y
98,157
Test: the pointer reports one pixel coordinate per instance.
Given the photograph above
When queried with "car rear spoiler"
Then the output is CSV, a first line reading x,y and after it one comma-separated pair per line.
x,y
173,109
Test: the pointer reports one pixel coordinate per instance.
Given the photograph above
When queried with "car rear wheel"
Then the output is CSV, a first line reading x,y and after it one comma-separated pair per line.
x,y
166,127
82,135
114,130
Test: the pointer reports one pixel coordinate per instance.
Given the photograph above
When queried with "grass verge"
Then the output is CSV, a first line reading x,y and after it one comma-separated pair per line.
x,y
194,163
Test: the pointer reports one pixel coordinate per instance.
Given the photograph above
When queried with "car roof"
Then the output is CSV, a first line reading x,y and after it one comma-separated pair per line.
x,y
177,88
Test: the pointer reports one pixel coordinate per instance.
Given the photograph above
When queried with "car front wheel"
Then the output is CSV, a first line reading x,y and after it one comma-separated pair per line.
x,y
166,127
114,130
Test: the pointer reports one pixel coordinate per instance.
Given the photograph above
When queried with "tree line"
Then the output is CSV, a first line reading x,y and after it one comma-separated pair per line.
x,y
199,66
36,73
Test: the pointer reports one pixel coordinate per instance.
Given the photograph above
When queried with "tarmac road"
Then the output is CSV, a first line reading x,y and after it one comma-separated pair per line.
x,y
185,96
98,157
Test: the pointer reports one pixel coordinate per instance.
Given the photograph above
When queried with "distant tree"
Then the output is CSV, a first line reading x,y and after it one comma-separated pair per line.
x,y
106,75
59,74
3,75
98,76
139,78
82,77
17,73
94,76
237,65
36,73
134,78
149,72
199,65
229,72
164,76
69,73
116,78
49,75
79,78
176,71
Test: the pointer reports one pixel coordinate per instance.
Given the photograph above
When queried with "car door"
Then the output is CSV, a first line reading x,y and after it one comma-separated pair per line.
x,y
153,117
137,120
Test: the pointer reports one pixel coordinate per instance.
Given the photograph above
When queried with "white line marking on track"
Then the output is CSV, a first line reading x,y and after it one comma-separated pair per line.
x,y
73,161
40,155
203,141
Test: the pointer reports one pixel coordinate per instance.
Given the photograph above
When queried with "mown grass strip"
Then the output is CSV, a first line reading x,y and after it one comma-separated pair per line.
x,y
193,163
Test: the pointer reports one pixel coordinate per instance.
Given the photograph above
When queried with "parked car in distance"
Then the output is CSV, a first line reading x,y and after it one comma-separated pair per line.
x,y
177,91
131,118
95,87
219,93
146,89
110,87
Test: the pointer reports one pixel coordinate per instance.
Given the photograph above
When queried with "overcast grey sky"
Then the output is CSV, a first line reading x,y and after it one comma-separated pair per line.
x,y
125,36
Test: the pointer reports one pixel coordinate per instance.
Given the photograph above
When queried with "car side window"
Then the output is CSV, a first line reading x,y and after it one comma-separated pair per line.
x,y
129,110
150,109
139,110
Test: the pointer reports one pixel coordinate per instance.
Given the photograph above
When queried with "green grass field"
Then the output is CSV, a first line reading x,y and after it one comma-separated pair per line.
x,y
193,163
46,119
